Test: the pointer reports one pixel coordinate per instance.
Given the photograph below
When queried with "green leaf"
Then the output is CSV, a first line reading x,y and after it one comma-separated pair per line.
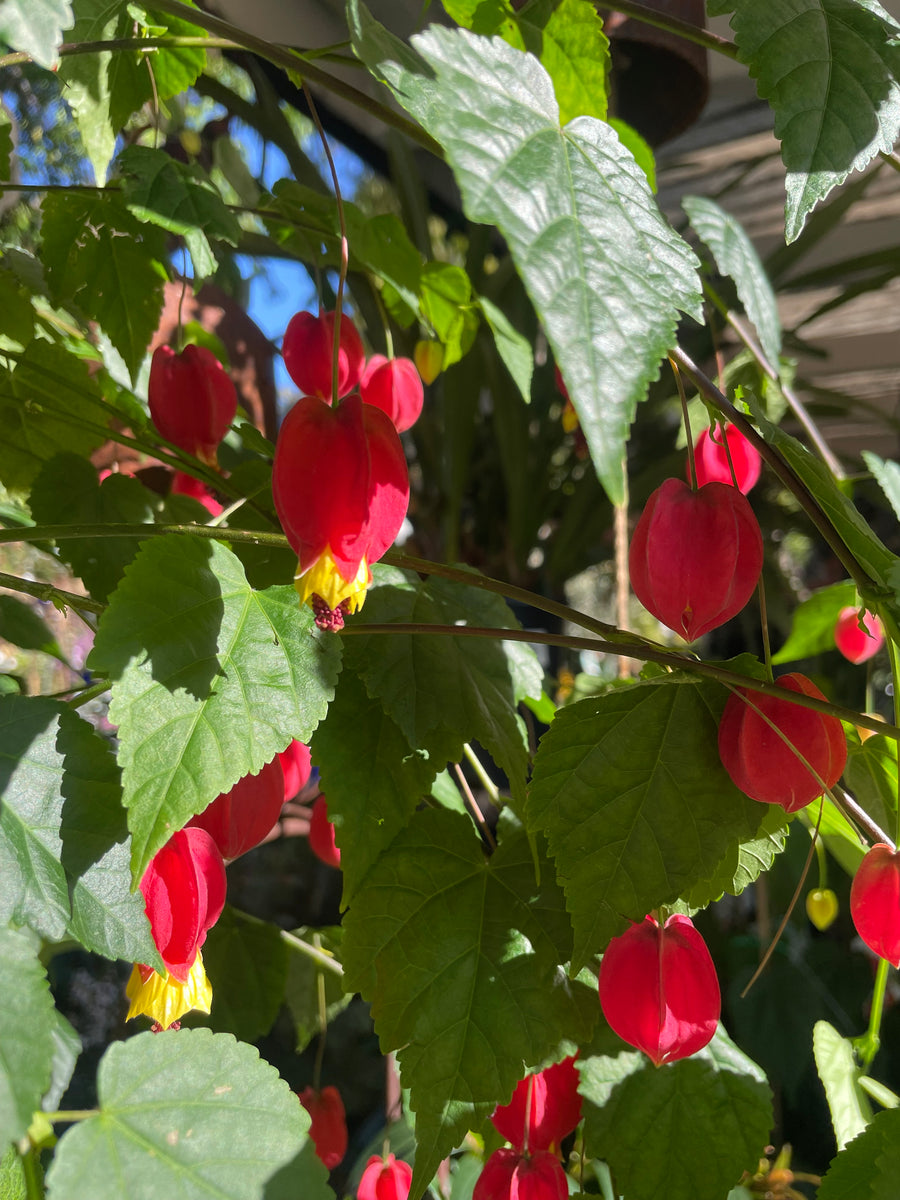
x,y
66,1048
302,989
44,404
744,861
444,691
871,776
104,260
67,491
513,348
246,961
21,625
685,1130
304,1176
481,16
64,852
567,36
35,26
189,1113
636,804
829,69
211,678
465,974
869,551
12,1176
604,271
813,622
27,1020
868,1168
103,90
840,1072
887,473
736,257
18,313
372,779
180,198
448,307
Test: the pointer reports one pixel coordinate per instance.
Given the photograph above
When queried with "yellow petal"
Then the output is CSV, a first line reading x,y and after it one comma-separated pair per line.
x,y
165,1000
324,579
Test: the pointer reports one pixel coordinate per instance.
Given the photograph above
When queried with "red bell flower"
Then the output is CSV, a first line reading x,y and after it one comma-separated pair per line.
x,y
545,1108
711,460
695,557
854,643
184,894
509,1175
308,347
875,902
192,399
341,489
759,760
385,1179
297,767
394,386
328,1123
239,819
321,835
186,485
658,989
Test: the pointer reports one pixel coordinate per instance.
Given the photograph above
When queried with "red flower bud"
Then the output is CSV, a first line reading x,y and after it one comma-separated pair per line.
x,y
328,1127
385,1179
711,461
239,820
186,485
695,556
854,643
508,1175
762,764
341,489
192,399
184,894
394,386
296,765
545,1108
308,347
321,835
875,902
658,989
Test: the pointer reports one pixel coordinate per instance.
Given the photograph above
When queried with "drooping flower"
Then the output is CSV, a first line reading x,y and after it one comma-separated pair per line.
x,y
510,1175
341,489
385,1179
822,907
658,989
711,459
297,767
163,998
858,645
239,819
308,348
184,894
759,760
545,1108
192,399
328,1123
395,386
875,902
321,835
695,557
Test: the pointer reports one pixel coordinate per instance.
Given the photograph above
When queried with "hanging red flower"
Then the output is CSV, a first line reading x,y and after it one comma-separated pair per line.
x,y
711,459
695,557
239,819
184,894
509,1175
545,1108
395,386
308,351
328,1123
875,902
385,1179
762,763
321,835
192,399
658,989
858,645
297,767
341,490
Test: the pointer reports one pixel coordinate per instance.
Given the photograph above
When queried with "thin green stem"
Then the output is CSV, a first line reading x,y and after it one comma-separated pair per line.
x,y
291,60
31,1170
472,803
60,533
867,1046
895,680
785,473
73,1114
683,29
822,863
320,957
89,693
692,466
764,629
48,592
484,779
323,1021
70,49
